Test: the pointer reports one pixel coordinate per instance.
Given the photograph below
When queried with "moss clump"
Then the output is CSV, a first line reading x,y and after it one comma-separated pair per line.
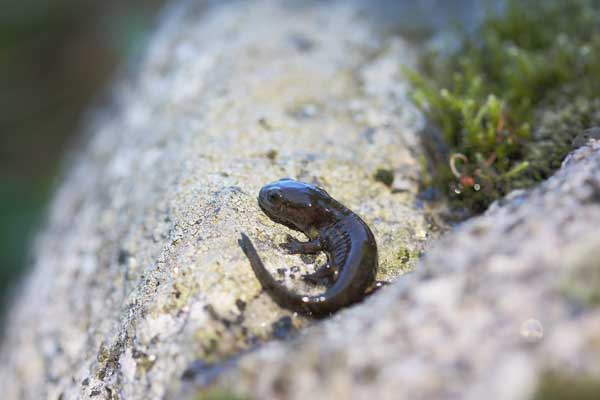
x,y
385,176
556,386
509,101
271,154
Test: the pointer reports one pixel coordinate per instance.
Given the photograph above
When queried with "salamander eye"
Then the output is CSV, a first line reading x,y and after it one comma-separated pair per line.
x,y
274,195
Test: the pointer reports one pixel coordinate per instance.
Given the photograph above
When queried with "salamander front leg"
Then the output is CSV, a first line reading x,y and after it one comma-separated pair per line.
x,y
294,246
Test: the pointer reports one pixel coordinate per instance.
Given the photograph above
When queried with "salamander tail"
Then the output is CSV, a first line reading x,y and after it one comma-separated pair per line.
x,y
278,292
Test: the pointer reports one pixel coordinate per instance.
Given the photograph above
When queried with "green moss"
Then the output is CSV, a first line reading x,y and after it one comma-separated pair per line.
x,y
385,176
556,386
397,264
271,154
509,102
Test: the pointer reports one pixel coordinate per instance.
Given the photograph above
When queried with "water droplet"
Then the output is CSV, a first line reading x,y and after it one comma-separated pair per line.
x,y
476,187
532,330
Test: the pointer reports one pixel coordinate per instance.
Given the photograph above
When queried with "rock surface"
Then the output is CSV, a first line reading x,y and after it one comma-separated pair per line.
x,y
139,290
494,307
137,276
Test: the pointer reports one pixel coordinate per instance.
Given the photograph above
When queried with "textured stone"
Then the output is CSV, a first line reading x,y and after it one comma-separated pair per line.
x,y
138,289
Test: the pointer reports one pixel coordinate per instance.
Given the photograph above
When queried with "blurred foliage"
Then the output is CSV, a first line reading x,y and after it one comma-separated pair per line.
x,y
558,386
56,57
496,99
20,209
219,394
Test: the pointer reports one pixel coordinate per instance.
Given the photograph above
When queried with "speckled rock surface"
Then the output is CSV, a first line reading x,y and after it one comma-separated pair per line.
x,y
138,274
493,307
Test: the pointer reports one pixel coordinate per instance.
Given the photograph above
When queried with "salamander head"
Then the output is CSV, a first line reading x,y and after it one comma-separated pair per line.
x,y
296,204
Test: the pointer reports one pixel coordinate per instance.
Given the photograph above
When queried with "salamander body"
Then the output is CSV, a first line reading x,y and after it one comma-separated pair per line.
x,y
331,227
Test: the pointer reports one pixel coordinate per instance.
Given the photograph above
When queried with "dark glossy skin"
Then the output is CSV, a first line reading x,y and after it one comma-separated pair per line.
x,y
345,238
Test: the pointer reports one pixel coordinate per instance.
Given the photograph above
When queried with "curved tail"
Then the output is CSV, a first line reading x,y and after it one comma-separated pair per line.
x,y
317,306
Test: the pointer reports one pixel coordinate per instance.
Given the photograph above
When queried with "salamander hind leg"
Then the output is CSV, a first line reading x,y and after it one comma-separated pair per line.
x,y
324,274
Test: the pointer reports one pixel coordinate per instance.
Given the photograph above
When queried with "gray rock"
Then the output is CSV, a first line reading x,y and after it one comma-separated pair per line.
x,y
139,291
493,306
137,276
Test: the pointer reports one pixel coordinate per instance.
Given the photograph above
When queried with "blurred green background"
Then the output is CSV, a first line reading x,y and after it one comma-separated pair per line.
x,y
56,57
